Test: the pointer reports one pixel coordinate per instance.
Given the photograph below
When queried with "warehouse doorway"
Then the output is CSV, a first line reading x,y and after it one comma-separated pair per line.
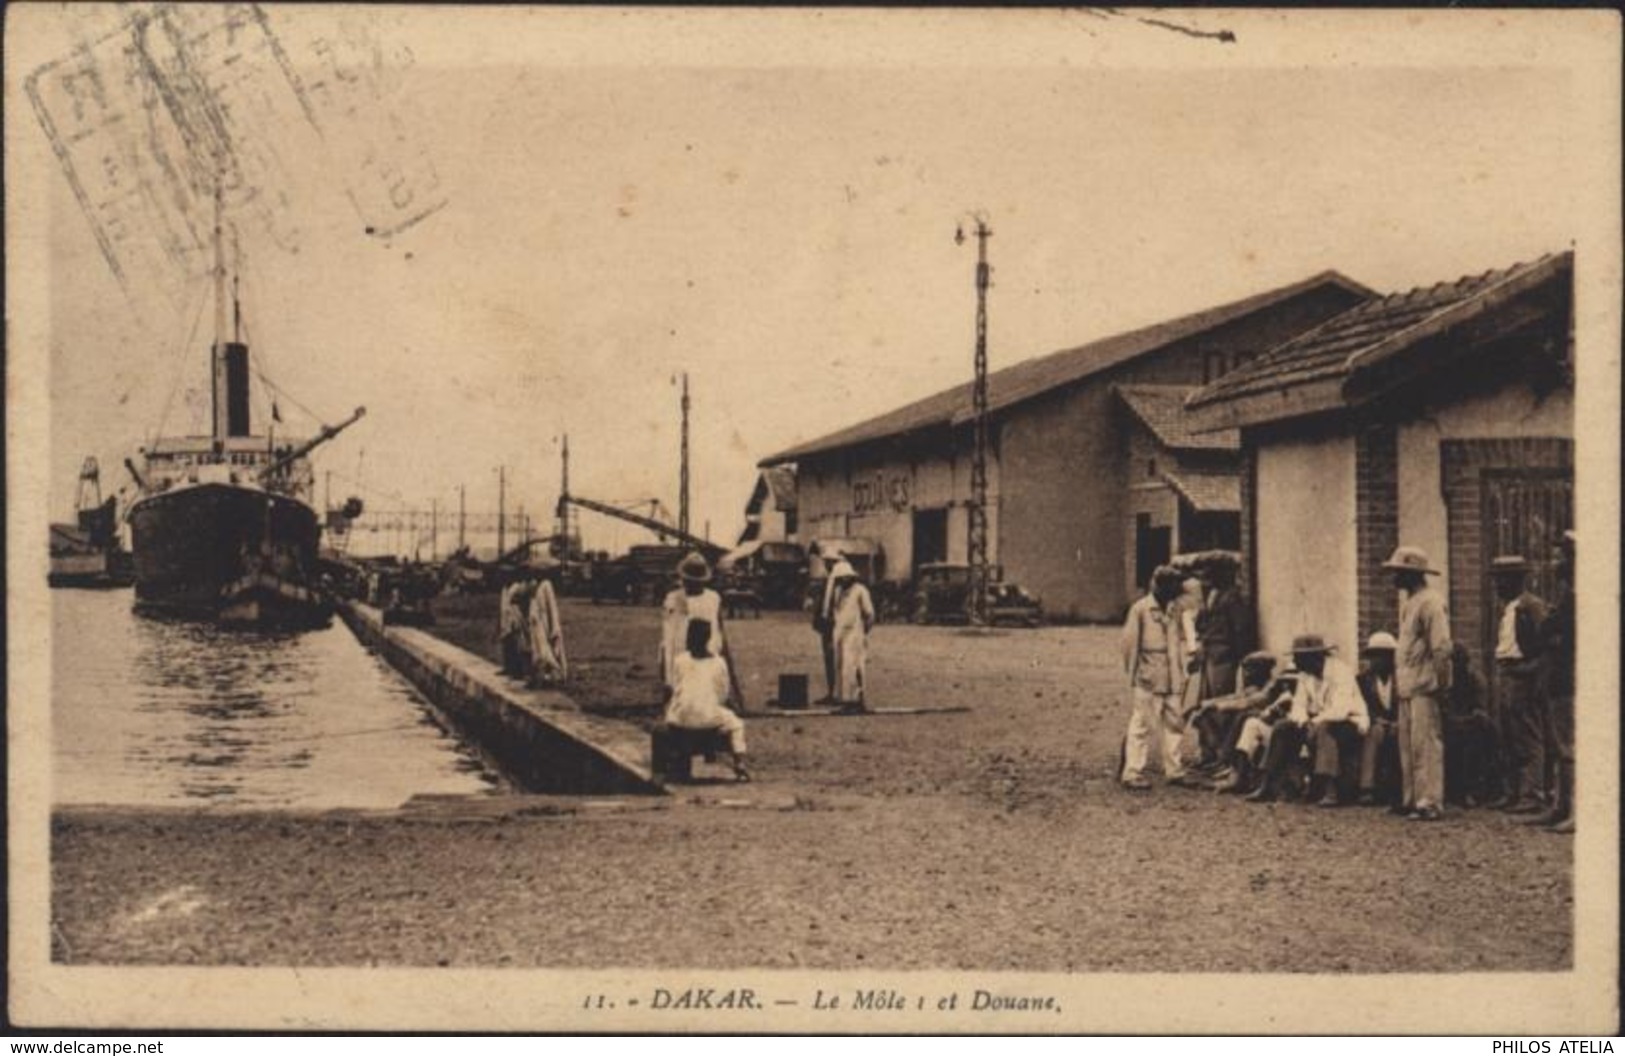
x,y
1153,546
930,537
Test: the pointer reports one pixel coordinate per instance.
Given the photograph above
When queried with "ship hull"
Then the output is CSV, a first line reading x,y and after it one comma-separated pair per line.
x,y
196,547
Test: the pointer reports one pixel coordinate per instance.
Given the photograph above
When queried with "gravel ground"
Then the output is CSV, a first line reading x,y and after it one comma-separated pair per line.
x,y
988,839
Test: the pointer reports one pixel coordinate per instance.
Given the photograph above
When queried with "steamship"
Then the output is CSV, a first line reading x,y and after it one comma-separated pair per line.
x,y
224,527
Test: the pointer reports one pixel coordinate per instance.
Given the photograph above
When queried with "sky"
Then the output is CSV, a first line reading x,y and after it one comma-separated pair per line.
x,y
769,206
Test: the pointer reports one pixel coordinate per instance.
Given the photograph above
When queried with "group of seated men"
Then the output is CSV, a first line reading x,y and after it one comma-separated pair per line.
x,y
1345,719
1328,733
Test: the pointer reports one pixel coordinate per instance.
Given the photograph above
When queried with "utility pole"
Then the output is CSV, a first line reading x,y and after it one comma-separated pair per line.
x,y
462,518
565,537
502,510
682,491
434,529
564,473
976,551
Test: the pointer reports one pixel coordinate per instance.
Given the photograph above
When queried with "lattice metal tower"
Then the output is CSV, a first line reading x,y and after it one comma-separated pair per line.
x,y
682,492
977,544
566,534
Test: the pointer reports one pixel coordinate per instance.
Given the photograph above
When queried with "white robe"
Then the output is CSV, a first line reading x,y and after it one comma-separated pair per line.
x,y
678,609
546,634
508,611
854,615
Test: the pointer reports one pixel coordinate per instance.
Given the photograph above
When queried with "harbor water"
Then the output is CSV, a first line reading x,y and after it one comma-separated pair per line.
x,y
150,712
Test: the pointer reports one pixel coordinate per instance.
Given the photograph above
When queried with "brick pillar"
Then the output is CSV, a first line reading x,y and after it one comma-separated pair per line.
x,y
1376,513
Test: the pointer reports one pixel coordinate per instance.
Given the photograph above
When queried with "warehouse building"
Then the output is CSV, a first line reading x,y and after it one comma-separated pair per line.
x,y
1062,519
1442,417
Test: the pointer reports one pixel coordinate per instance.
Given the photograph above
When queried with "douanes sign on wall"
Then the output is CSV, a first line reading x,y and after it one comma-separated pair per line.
x,y
878,492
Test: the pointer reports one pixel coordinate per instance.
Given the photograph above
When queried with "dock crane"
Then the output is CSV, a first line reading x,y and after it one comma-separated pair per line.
x,y
660,528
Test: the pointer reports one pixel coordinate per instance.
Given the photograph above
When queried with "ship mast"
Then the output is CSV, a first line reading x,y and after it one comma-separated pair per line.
x,y
217,350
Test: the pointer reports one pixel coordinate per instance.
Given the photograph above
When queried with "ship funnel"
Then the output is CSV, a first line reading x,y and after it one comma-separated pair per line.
x,y
231,394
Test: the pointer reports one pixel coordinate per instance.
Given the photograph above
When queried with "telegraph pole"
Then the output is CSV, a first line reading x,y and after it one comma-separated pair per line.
x,y
462,517
434,529
682,493
977,548
564,538
502,510
564,474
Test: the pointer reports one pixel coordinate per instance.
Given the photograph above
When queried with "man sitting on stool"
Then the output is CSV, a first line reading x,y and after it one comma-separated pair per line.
x,y
1326,710
700,694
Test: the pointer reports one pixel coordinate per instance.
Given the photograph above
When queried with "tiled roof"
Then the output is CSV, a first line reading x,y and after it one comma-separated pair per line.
x,y
1162,409
1344,342
1034,377
1209,492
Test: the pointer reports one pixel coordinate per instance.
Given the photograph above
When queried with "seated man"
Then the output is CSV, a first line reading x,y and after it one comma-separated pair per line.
x,y
699,697
1379,755
1222,719
1326,711
1471,746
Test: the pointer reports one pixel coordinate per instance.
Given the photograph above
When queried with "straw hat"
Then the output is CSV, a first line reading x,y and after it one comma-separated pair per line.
x,y
1259,661
1508,563
842,570
693,569
1410,559
1310,643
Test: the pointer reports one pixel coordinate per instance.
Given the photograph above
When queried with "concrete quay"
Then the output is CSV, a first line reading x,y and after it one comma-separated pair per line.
x,y
536,738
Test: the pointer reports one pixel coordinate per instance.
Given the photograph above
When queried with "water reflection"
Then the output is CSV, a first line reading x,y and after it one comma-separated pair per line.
x,y
148,710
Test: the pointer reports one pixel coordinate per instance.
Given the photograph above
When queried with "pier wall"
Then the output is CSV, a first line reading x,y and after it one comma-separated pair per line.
x,y
538,739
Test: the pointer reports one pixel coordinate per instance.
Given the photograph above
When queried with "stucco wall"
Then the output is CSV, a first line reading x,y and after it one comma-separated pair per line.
x,y
1067,466
1510,412
873,494
1306,545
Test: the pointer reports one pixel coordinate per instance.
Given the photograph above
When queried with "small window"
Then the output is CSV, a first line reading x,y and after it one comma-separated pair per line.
x,y
1151,467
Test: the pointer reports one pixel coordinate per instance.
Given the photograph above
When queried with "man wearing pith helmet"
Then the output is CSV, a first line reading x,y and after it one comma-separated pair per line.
x,y
1422,669
692,600
1376,684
